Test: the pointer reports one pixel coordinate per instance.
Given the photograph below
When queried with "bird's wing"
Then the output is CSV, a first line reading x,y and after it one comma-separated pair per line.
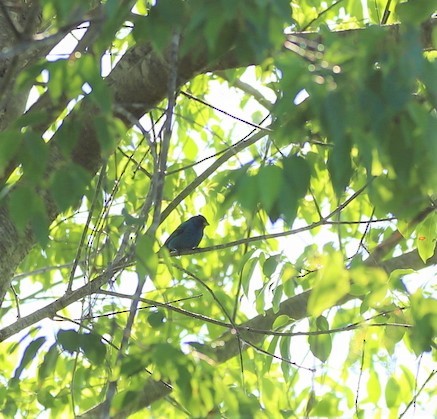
x,y
177,232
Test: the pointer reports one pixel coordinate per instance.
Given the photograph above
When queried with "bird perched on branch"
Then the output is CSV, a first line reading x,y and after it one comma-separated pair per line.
x,y
188,235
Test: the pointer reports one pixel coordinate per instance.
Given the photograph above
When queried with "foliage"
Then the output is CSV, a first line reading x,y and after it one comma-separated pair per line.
x,y
311,153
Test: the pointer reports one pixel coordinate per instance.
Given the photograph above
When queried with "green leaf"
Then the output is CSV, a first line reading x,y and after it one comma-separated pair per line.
x,y
327,406
424,313
260,300
269,184
134,364
392,335
34,155
68,185
246,275
427,236
166,355
269,266
169,14
416,12
331,285
131,220
147,259
245,258
57,79
248,192
297,174
69,133
409,378
49,363
10,142
93,347
101,96
285,351
156,319
20,201
28,210
322,323
105,134
339,164
69,340
373,387
40,224
45,398
281,321
29,355
392,393
396,277
296,182
271,349
277,297
321,345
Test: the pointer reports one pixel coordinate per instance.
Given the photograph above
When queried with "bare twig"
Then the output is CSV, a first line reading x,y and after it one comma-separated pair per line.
x,y
247,88
413,400
85,229
319,15
251,124
359,379
157,187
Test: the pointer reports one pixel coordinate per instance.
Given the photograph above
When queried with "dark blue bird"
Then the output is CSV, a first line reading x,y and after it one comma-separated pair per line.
x,y
188,235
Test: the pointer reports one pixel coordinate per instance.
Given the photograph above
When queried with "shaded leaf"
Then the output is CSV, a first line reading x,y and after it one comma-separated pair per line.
x,y
147,259
29,355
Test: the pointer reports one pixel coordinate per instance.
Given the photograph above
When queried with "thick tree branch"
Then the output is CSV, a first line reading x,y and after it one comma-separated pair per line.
x,y
139,78
51,309
311,39
227,346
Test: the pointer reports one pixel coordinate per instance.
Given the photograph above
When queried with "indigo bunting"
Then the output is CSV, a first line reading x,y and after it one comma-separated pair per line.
x,y
187,235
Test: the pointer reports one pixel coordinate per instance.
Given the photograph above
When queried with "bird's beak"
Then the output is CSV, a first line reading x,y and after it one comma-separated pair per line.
x,y
206,223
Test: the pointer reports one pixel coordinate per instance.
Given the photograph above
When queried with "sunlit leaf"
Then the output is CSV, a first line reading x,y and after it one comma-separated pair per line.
x,y
331,285
427,237
321,344
392,393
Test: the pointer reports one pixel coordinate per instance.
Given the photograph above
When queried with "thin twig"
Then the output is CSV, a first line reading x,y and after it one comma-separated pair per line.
x,y
17,301
167,306
386,14
263,351
274,235
241,145
359,379
251,124
157,187
42,271
224,311
85,229
59,318
346,328
113,313
413,400
363,236
229,148
321,14
247,88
